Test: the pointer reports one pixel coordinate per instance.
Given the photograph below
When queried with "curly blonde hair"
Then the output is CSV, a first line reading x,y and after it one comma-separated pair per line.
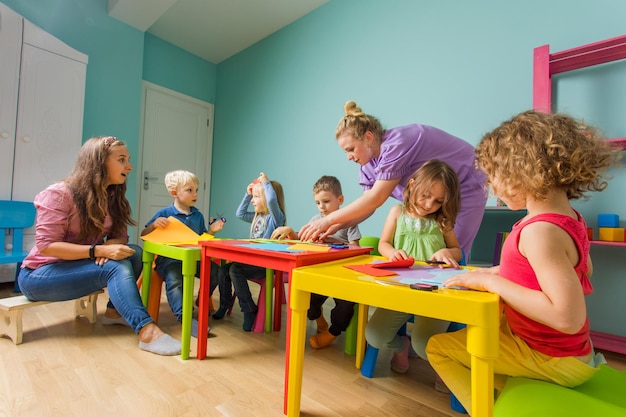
x,y
535,152
356,123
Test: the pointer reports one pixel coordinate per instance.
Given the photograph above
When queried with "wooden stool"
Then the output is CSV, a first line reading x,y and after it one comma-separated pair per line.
x,y
11,309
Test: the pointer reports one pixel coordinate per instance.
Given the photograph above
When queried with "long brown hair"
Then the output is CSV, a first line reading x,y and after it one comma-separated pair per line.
x,y
423,179
92,197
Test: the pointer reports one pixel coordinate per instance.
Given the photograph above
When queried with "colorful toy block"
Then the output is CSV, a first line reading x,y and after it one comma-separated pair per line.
x,y
608,220
611,234
590,233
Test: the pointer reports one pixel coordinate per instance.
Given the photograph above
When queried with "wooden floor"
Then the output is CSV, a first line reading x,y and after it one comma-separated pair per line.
x,y
67,367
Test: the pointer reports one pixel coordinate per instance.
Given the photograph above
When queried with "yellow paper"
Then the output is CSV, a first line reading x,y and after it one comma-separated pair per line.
x,y
175,233
311,247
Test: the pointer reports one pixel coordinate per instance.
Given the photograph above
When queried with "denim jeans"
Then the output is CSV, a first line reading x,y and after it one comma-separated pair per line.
x,y
68,280
239,274
171,270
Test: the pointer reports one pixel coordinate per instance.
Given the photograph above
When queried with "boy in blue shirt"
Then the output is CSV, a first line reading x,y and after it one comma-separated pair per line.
x,y
183,187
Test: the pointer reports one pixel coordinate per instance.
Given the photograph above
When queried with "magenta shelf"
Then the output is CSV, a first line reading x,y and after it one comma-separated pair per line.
x,y
605,243
621,143
610,342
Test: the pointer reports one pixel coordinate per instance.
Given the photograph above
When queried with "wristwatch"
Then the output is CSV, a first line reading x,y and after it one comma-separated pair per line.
x,y
92,251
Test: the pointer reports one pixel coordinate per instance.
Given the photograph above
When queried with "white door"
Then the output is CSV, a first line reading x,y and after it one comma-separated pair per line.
x,y
177,134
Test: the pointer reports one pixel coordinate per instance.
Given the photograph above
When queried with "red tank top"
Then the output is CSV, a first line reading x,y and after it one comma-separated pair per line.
x,y
515,267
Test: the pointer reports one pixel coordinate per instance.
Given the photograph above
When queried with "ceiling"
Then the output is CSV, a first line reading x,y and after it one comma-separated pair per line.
x,y
212,29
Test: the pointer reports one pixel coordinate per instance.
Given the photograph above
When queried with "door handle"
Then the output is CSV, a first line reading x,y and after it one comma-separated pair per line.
x,y
146,180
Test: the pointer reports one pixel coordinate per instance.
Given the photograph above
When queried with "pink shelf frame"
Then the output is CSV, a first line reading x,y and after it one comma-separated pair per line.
x,y
545,65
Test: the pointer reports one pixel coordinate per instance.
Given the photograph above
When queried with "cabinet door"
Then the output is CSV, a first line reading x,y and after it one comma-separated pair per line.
x,y
10,47
49,120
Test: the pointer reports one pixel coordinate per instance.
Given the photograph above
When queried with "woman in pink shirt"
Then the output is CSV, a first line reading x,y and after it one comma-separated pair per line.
x,y
388,158
81,242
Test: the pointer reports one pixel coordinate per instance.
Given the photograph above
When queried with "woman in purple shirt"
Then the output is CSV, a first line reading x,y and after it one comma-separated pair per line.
x,y
388,158
81,242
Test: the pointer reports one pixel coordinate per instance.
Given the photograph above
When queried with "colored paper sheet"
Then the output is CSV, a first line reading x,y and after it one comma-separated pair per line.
x,y
369,269
277,247
175,233
310,247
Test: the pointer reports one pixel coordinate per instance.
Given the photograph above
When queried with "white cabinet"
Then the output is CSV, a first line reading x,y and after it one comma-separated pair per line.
x,y
42,84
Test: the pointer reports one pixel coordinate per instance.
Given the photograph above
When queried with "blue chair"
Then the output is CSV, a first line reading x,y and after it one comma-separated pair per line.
x,y
15,216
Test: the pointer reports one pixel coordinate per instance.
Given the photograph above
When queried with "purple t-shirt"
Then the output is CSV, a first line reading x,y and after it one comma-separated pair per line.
x,y
406,148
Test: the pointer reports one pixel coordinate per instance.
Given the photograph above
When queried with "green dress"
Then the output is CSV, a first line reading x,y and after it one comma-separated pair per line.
x,y
418,237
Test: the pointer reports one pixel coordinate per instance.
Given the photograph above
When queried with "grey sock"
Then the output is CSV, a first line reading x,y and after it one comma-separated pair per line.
x,y
164,345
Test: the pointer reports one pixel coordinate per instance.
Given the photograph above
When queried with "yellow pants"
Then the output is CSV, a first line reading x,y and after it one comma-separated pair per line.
x,y
447,354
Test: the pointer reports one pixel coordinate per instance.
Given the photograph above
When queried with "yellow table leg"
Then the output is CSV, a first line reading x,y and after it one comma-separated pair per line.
x,y
300,304
360,335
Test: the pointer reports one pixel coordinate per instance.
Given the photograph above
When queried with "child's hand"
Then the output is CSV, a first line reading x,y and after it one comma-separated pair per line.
x,y
263,177
216,226
445,255
161,222
250,187
476,280
283,232
398,255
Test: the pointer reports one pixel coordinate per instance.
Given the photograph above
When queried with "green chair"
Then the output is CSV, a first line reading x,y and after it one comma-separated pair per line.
x,y
370,241
603,395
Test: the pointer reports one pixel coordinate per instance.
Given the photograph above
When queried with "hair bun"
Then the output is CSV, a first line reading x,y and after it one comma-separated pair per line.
x,y
351,109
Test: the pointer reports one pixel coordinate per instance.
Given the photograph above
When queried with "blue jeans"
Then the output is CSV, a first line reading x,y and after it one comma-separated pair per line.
x,y
171,270
239,274
68,280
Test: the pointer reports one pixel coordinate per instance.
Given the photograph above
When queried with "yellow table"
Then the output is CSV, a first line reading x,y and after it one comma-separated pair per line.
x,y
189,255
479,310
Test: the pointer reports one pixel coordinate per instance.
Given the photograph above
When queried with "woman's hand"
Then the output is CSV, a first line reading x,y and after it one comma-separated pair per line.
x,y
114,251
317,230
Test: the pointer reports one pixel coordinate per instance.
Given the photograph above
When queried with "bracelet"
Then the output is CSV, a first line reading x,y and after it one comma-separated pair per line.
x,y
92,251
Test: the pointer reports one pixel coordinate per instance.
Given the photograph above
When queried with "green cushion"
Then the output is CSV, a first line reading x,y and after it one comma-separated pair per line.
x,y
602,395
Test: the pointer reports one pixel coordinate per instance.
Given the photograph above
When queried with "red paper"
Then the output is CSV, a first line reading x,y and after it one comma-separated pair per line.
x,y
379,269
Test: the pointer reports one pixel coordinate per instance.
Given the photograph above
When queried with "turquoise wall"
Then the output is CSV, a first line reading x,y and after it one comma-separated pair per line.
x,y
169,66
463,66
120,57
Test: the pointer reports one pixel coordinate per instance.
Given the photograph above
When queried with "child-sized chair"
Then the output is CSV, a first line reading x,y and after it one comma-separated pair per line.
x,y
15,216
154,295
279,299
603,395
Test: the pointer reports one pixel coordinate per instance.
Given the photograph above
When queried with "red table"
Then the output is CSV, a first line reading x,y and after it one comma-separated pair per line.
x,y
236,251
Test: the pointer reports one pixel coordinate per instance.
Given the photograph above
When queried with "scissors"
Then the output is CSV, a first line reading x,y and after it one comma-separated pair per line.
x,y
216,218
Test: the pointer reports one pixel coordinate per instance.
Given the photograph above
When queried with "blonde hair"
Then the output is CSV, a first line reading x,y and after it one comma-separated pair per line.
x,y
179,178
328,183
356,123
422,181
280,196
535,152
92,197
